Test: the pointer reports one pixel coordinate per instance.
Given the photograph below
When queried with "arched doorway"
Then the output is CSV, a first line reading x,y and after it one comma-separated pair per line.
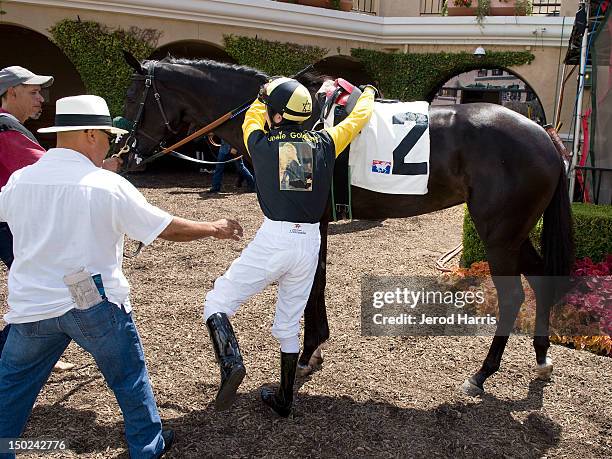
x,y
38,54
494,85
192,49
345,67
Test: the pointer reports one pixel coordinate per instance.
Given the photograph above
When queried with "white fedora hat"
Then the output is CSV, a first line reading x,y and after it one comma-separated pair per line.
x,y
78,113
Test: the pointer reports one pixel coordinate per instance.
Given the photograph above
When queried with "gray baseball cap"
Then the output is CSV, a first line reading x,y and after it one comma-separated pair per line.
x,y
15,75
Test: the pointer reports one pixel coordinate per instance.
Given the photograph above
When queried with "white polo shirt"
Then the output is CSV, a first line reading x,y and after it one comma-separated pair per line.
x,y
65,213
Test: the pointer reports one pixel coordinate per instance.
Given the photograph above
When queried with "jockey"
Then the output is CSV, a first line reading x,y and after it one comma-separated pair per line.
x,y
294,169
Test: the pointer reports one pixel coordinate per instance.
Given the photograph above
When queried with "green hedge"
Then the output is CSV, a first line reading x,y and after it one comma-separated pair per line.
x,y
592,233
413,76
96,52
401,76
272,57
473,248
593,230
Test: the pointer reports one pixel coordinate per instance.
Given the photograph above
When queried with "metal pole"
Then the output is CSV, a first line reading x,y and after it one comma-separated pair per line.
x,y
560,85
560,90
583,60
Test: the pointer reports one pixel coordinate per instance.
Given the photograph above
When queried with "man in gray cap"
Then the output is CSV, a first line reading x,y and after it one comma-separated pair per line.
x,y
20,91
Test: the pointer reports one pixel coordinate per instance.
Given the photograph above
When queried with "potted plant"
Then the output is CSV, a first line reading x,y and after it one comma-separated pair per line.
x,y
501,8
316,3
483,8
523,7
510,7
343,5
461,7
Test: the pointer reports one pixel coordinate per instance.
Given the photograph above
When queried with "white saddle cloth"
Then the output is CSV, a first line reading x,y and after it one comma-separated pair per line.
x,y
391,155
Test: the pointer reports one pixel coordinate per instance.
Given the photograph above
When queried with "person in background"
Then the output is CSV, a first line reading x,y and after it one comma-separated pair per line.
x,y
225,153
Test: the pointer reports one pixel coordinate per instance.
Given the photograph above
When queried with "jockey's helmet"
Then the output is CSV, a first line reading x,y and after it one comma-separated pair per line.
x,y
289,98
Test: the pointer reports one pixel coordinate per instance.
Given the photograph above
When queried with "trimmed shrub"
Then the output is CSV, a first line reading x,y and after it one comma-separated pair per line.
x,y
96,52
402,76
414,76
592,233
272,57
593,226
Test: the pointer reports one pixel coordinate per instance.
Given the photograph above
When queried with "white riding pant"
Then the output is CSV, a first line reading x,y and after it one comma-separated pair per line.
x,y
281,251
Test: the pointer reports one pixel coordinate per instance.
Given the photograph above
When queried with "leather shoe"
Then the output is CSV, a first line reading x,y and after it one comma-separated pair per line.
x,y
168,436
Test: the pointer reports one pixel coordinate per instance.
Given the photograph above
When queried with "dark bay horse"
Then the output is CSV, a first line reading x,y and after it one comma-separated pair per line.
x,y
504,166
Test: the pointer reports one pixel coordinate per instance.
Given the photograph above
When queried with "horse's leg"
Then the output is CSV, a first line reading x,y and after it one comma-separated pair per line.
x,y
316,328
504,265
532,265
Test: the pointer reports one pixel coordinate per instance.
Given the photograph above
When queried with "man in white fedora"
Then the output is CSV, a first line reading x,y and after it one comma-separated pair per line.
x,y
21,95
66,282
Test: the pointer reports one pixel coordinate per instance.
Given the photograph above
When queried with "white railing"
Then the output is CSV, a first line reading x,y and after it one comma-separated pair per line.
x,y
322,22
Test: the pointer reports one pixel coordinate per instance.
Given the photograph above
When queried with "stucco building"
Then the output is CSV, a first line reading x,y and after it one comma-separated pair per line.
x,y
197,27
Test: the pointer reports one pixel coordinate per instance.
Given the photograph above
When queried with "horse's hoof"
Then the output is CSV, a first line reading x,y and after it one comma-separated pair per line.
x,y
544,371
303,370
315,362
471,389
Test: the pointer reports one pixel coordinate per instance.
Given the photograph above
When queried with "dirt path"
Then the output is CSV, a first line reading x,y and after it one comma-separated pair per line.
x,y
384,397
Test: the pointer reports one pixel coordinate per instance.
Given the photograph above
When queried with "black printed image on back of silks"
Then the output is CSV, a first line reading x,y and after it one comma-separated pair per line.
x,y
295,160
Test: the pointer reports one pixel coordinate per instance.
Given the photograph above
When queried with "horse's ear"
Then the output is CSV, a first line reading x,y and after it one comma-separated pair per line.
x,y
133,62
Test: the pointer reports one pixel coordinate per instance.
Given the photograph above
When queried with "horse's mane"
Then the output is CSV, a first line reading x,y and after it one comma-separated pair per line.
x,y
207,64
313,80
310,79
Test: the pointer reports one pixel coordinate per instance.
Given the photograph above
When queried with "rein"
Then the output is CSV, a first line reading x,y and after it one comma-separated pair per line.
x,y
200,132
176,154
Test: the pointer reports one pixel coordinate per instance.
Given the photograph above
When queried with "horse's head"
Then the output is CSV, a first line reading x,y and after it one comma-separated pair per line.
x,y
176,95
153,110
179,95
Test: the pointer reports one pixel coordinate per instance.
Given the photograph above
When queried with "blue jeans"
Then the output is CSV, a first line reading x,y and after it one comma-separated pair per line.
x,y
6,255
3,336
224,155
109,334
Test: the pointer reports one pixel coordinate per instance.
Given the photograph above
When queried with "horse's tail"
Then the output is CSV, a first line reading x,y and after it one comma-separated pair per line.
x,y
557,237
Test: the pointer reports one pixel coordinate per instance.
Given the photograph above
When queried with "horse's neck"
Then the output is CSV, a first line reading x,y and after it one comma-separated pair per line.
x,y
208,93
220,96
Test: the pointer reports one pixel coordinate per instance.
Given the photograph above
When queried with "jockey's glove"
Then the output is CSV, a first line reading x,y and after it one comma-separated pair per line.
x,y
373,88
261,95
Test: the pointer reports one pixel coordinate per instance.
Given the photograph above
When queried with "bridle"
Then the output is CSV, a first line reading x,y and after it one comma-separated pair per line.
x,y
131,142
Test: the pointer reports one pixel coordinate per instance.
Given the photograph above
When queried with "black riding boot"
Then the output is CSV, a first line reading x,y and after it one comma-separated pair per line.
x,y
229,358
281,400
